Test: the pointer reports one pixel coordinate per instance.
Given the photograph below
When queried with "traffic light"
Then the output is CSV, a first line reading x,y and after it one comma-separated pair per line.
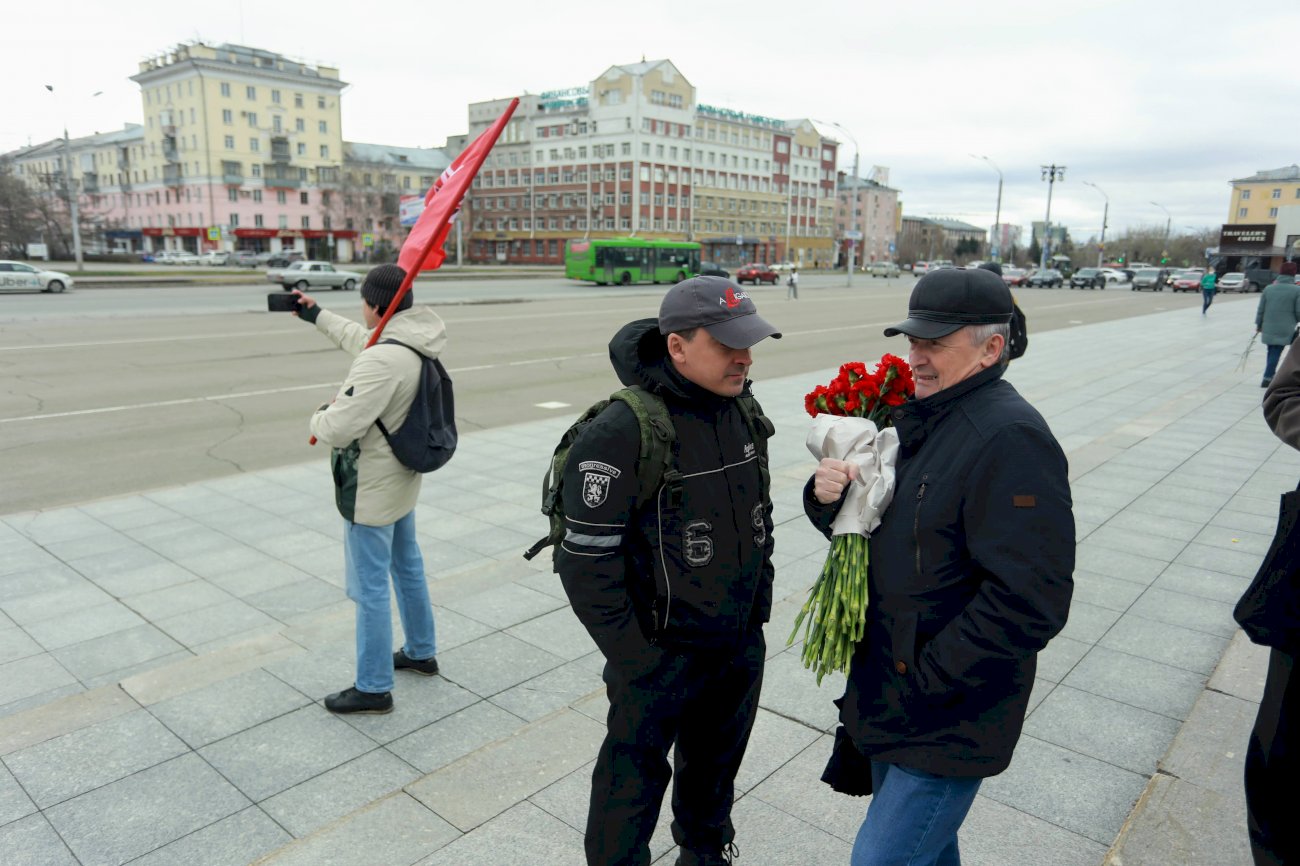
x,y
1120,259
1164,260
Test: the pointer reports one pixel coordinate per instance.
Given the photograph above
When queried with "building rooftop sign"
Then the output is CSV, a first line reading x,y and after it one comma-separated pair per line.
x,y
558,100
743,116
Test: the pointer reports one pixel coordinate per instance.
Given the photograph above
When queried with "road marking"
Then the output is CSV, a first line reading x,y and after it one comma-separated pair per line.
x,y
216,398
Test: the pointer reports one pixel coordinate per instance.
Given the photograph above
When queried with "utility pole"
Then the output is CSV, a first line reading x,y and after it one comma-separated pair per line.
x,y
70,190
1164,254
1051,174
853,235
996,251
1105,217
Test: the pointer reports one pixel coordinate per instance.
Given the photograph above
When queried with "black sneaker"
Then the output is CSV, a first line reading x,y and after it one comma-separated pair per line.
x,y
725,857
353,701
425,667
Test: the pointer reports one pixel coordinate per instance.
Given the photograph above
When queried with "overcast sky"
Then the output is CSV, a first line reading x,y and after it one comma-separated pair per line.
x,y
1153,101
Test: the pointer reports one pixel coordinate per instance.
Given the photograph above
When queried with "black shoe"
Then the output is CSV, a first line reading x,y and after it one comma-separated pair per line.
x,y
724,857
1265,383
426,667
353,701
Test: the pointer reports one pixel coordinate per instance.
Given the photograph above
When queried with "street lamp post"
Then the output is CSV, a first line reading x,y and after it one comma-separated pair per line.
x,y
996,252
853,203
1105,216
1168,221
70,188
1051,174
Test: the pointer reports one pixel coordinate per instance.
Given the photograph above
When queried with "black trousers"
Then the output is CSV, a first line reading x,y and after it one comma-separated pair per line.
x,y
703,701
1272,764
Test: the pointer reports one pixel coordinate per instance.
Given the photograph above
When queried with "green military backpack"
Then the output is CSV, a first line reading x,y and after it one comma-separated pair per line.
x,y
654,461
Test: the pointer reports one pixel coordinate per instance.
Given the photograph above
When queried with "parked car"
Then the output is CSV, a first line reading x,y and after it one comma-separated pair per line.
x,y
22,277
1233,281
181,257
882,269
1188,281
1088,278
284,258
216,257
306,275
782,267
941,264
244,259
1149,278
1046,278
1118,275
709,269
757,273
920,269
1015,277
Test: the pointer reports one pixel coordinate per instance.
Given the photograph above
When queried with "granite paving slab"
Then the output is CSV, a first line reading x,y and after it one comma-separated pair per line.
x,y
118,651
1139,682
494,663
233,841
62,768
420,701
227,707
458,734
1203,583
318,801
1105,729
550,691
14,802
558,632
369,836
524,835
1170,644
997,835
31,841
119,822
796,789
285,751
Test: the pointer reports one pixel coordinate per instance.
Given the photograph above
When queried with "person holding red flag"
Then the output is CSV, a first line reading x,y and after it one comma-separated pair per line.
x,y
374,491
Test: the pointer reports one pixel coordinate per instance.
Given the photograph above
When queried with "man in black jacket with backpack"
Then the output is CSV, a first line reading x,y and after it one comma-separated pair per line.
x,y
674,589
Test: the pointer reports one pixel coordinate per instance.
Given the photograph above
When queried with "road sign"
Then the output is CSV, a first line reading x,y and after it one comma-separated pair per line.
x,y
852,235
367,240
214,233
891,246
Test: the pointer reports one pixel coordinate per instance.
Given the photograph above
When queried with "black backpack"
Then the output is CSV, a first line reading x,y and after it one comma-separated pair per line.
x,y
655,458
427,438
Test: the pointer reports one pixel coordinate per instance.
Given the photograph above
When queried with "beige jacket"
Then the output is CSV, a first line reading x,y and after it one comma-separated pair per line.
x,y
371,486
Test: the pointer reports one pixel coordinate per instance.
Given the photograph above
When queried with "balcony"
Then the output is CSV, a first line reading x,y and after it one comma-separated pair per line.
x,y
172,175
281,182
232,178
280,152
90,183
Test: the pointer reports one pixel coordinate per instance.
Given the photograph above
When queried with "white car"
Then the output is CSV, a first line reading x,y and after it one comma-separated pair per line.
x,y
309,274
216,257
22,277
882,269
1114,276
184,258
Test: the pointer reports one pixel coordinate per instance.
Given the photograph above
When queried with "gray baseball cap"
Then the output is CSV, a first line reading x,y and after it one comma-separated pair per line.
x,y
717,305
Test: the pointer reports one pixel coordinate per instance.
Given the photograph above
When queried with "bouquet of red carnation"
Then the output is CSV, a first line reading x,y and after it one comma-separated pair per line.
x,y
851,422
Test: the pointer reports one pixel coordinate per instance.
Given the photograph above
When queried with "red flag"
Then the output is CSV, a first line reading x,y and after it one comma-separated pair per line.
x,y
423,249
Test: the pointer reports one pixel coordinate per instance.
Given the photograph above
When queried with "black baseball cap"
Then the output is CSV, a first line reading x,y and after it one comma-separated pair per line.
x,y
948,300
717,305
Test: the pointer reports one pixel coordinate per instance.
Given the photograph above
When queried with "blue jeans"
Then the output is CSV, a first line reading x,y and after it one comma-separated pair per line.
x,y
913,818
1207,298
1270,360
372,552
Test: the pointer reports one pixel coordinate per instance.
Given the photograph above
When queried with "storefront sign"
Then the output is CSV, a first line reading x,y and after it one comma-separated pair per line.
x,y
1247,236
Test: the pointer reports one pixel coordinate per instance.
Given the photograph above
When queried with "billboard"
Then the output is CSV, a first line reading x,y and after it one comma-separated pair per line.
x,y
409,209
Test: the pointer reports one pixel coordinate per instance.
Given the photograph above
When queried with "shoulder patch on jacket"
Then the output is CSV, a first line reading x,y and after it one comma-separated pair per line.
x,y
1024,501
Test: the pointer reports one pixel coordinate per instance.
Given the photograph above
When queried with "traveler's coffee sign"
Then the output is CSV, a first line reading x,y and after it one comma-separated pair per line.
x,y
1248,236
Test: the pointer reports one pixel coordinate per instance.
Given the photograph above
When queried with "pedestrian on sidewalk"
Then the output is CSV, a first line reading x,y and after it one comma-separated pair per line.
x,y
1209,285
1277,317
970,576
792,285
675,592
1273,754
374,492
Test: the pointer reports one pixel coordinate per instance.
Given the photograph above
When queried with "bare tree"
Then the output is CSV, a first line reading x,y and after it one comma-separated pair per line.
x,y
18,218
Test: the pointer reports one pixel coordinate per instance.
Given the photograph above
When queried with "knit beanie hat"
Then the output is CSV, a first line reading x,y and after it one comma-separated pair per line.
x,y
381,287
992,266
1288,269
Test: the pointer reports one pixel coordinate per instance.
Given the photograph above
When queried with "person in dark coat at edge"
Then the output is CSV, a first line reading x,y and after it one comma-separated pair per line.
x,y
1273,754
970,575
675,592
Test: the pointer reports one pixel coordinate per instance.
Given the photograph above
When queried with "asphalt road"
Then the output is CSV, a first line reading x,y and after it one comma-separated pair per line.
x,y
114,390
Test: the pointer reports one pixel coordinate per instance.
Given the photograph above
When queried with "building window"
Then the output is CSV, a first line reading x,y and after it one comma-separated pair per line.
x,y
1277,193
232,194
1241,212
306,222
255,144
297,100
275,96
225,88
280,197
234,220
300,125
302,148
1272,212
230,142
257,220
320,102
227,117
257,170
257,196
252,119
302,198
250,92
1245,195
275,123
323,126
284,221
324,151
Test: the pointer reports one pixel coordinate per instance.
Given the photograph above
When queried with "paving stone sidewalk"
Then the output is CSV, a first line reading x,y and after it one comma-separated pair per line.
x,y
163,655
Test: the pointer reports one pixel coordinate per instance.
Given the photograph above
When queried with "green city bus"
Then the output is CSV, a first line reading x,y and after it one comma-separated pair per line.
x,y
630,260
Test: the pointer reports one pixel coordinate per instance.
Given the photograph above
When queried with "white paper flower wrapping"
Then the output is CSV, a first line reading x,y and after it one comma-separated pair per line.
x,y
874,452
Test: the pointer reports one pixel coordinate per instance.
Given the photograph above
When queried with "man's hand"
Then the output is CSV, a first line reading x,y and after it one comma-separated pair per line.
x,y
308,309
830,479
